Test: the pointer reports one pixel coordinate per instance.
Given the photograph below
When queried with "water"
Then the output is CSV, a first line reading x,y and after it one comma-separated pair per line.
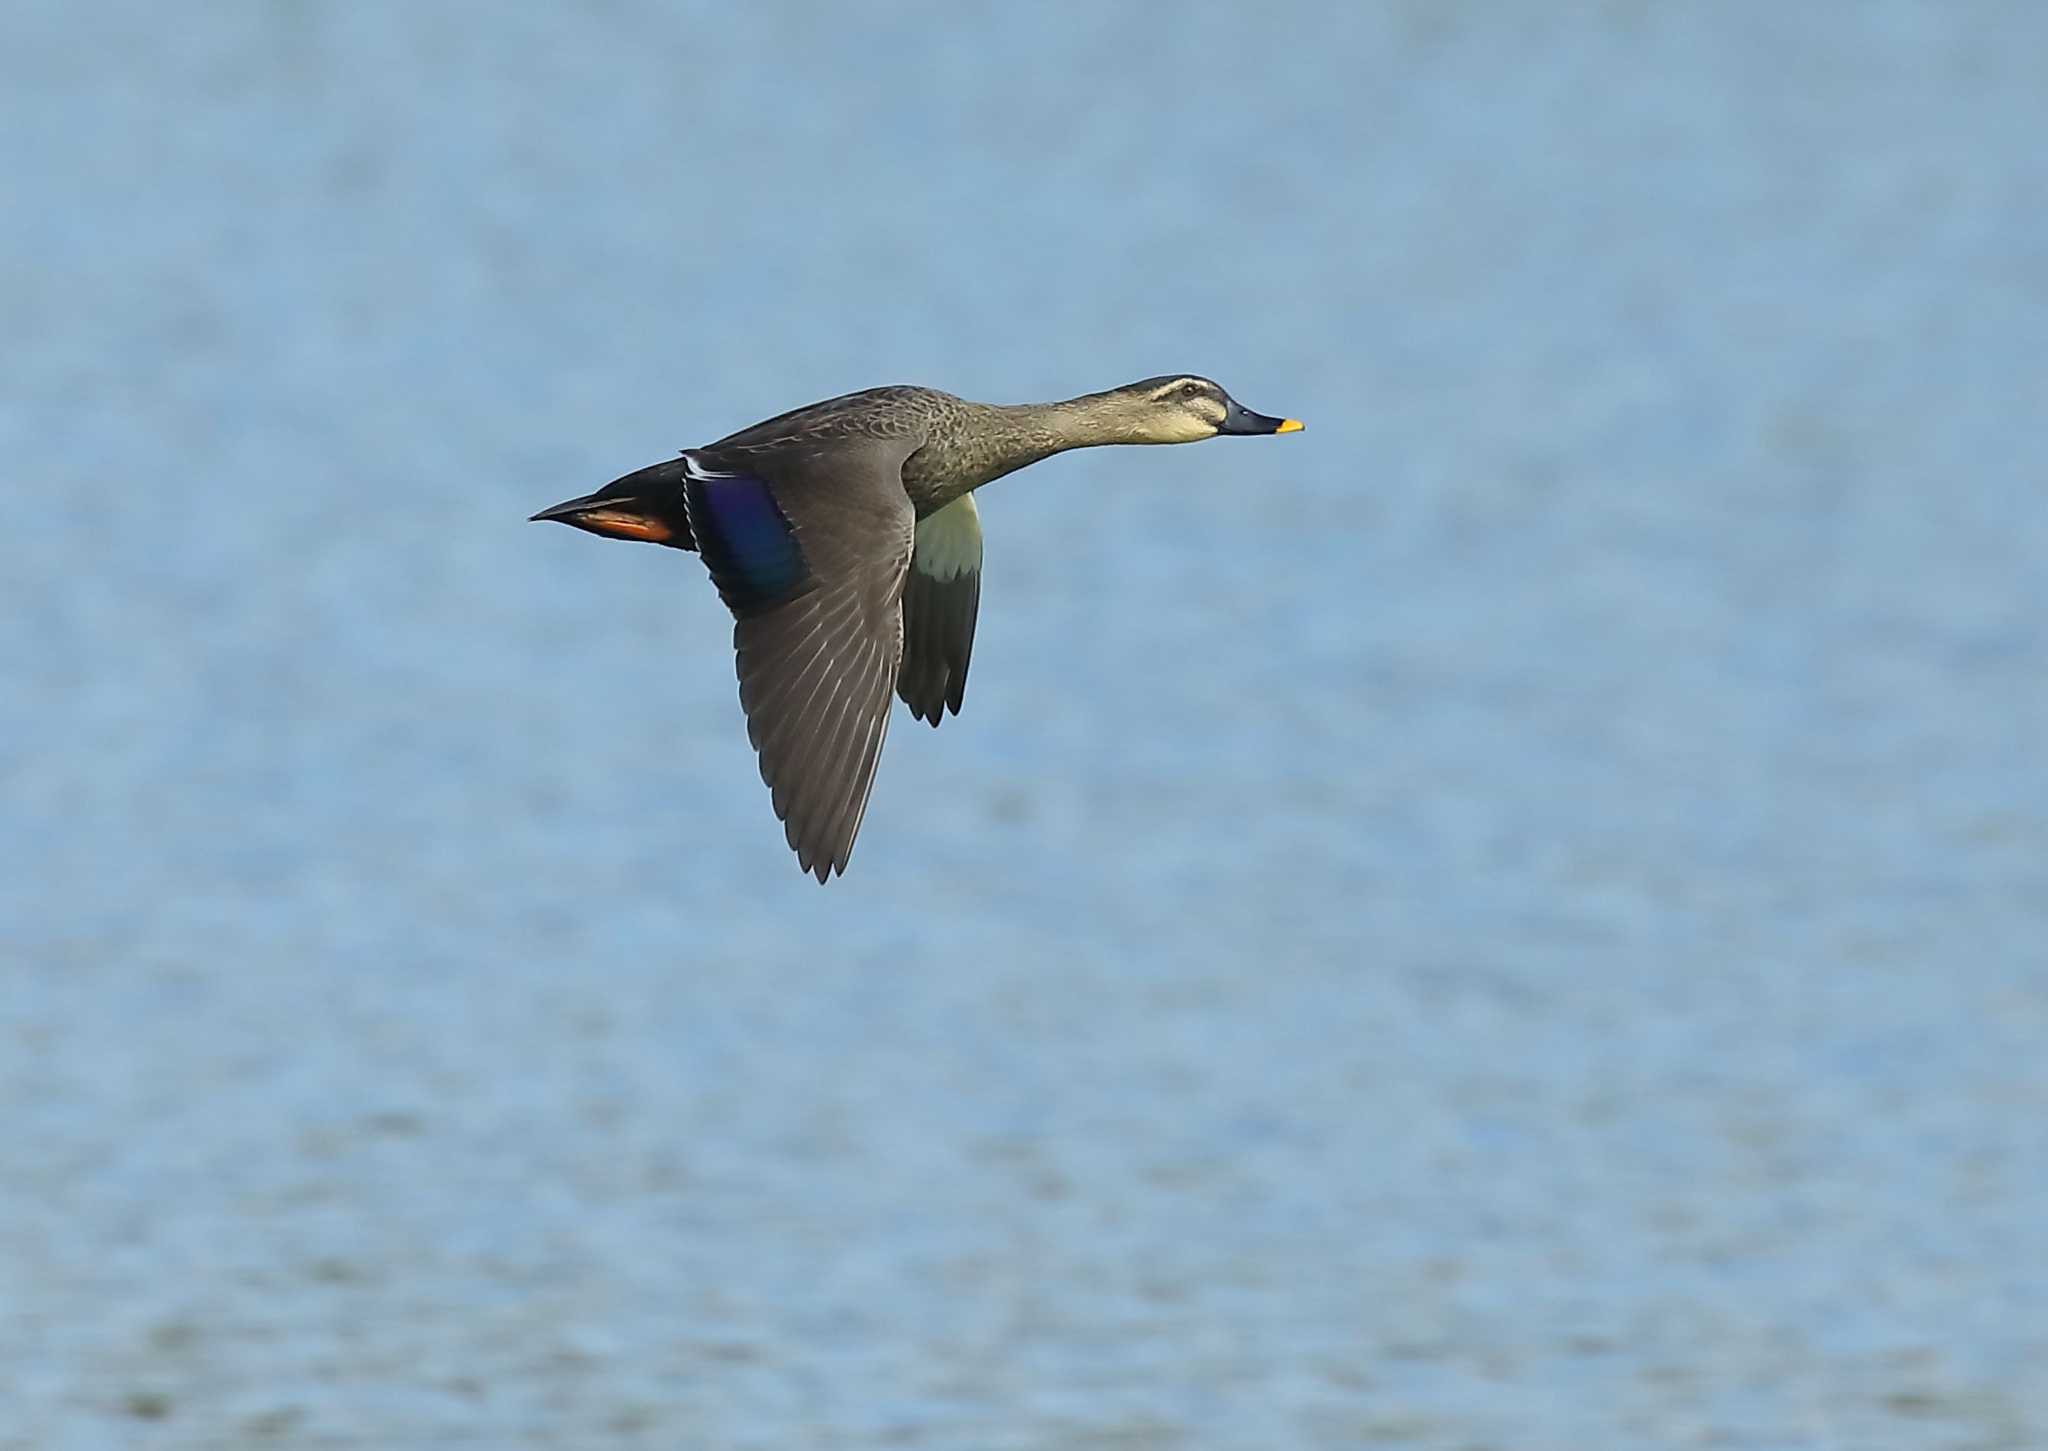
x,y
1512,919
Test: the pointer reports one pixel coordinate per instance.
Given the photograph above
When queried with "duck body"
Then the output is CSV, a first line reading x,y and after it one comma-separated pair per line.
x,y
844,539
955,446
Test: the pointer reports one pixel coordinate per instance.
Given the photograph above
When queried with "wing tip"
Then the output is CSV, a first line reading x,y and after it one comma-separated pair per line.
x,y
932,709
823,868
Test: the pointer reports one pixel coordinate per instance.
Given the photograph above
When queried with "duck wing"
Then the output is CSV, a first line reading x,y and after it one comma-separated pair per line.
x,y
809,549
940,600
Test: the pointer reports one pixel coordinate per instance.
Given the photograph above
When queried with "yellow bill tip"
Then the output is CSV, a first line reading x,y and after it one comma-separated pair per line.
x,y
1289,425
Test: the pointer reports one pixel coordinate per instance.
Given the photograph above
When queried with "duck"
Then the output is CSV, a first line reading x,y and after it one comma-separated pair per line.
x,y
844,539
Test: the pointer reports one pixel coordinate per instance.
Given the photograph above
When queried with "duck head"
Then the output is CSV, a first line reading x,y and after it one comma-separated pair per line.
x,y
1178,408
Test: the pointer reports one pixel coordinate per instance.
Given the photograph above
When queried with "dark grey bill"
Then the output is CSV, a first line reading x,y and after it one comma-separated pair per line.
x,y
1239,419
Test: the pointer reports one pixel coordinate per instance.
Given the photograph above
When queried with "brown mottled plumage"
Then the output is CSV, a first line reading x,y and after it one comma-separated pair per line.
x,y
844,539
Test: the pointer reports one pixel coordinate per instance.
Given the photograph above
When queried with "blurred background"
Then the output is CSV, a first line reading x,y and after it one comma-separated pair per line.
x,y
1513,919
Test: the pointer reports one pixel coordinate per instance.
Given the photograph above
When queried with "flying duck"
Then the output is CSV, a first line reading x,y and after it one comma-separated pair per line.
x,y
844,539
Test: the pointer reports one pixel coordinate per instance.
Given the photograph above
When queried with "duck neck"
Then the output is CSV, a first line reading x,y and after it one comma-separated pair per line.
x,y
1033,431
989,440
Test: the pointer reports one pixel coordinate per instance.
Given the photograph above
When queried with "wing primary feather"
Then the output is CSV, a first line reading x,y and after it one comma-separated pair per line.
x,y
764,691
836,733
852,762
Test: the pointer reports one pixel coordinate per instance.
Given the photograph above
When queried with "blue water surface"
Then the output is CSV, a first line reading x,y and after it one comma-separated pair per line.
x,y
1515,919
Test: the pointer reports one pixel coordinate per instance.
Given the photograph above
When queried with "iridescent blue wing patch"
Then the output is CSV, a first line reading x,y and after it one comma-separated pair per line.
x,y
746,540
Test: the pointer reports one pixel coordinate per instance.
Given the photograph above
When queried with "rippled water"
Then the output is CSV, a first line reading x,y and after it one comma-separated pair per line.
x,y
1513,919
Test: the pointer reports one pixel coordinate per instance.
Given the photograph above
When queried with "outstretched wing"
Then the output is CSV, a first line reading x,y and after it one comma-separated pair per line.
x,y
940,600
810,555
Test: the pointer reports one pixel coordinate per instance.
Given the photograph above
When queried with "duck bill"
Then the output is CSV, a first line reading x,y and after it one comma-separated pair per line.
x,y
646,506
1239,419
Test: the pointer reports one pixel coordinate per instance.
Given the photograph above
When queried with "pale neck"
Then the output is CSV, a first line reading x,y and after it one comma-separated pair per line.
x,y
1088,421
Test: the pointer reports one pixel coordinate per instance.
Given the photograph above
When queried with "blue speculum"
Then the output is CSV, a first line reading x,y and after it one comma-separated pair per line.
x,y
749,545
